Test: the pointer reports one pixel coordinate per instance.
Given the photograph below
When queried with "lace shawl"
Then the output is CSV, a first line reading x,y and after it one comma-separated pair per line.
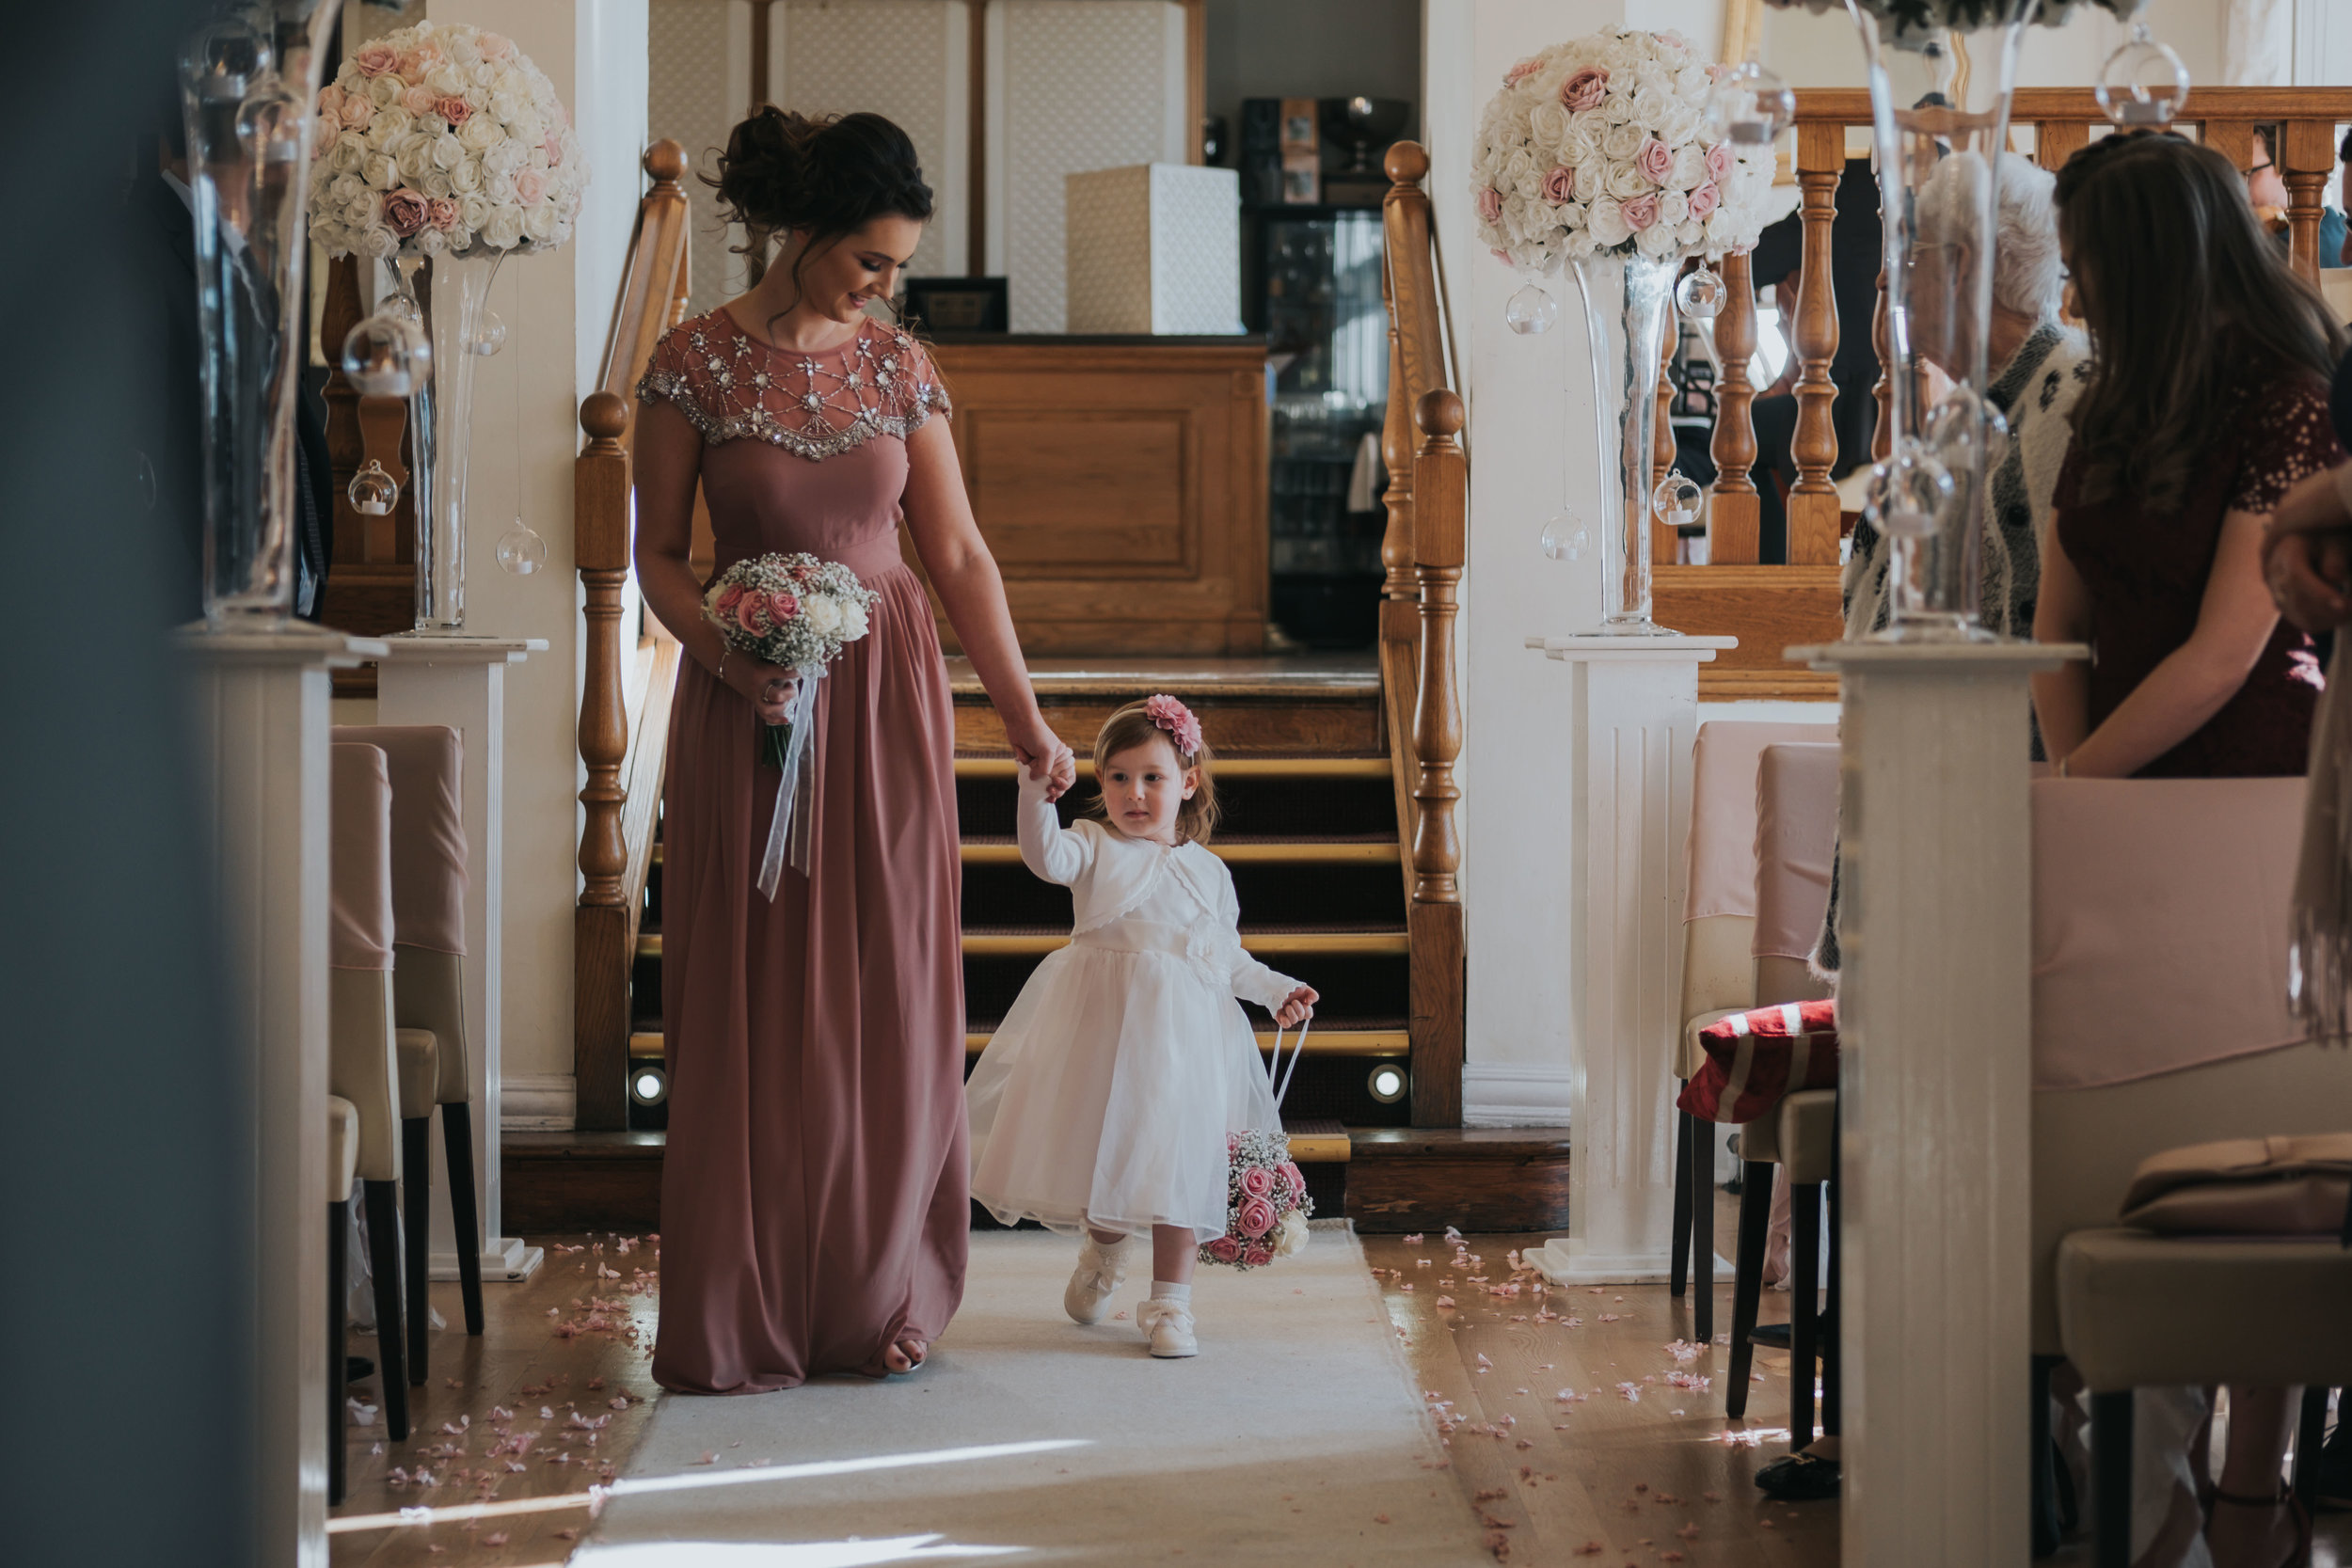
x,y
732,387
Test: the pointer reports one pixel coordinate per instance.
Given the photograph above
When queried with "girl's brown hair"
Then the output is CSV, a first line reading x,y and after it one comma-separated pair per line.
x,y
2180,288
1133,726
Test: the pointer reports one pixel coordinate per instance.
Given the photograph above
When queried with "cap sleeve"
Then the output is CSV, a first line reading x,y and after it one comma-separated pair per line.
x,y
675,374
2289,437
916,392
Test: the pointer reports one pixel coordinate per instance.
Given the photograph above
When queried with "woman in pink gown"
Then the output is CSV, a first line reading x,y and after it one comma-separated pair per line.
x,y
815,1204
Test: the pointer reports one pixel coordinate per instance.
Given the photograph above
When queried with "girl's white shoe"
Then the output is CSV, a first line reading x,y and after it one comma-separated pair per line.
x,y
1095,1280
1169,1325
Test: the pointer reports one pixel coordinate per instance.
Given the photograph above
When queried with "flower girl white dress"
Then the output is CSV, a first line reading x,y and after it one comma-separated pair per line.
x,y
1105,1097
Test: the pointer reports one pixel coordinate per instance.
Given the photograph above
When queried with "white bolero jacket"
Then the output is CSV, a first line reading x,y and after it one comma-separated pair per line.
x,y
1110,875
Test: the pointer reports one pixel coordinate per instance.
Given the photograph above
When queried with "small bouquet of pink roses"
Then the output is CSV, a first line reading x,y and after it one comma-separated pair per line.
x,y
1266,1202
798,611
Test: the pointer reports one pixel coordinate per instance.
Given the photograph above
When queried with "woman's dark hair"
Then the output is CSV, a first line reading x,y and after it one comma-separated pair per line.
x,y
827,177
2181,289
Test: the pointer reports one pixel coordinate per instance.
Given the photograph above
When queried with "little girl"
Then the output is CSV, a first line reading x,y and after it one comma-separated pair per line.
x,y
1103,1102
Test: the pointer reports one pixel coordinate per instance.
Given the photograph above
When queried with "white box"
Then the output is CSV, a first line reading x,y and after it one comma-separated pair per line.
x,y
1154,248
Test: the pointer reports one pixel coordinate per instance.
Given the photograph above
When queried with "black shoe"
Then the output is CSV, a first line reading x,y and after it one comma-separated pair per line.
x,y
357,1367
1798,1477
1783,1336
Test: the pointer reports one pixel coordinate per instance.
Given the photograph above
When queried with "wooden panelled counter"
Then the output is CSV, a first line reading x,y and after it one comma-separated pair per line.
x,y
1120,483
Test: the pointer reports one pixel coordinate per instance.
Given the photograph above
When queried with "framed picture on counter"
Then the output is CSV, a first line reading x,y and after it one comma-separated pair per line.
x,y
958,304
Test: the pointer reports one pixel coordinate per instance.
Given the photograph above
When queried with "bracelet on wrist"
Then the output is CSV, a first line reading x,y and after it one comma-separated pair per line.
x,y
722,664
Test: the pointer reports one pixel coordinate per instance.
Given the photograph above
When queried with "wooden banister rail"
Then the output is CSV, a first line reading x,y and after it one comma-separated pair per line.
x,y
1424,551
1434,925
1769,608
624,769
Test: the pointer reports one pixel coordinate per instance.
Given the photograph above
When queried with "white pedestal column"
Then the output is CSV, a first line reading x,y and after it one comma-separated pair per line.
x,y
1935,1091
1633,716
461,682
262,766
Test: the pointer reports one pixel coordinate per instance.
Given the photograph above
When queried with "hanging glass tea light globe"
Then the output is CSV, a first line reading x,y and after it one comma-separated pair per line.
x,y
1531,311
1907,491
2143,83
388,356
521,550
489,334
1702,296
373,492
1676,500
1565,537
1751,104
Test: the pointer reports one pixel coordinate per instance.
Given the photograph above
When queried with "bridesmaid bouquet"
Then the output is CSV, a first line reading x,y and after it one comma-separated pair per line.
x,y
1267,1203
798,611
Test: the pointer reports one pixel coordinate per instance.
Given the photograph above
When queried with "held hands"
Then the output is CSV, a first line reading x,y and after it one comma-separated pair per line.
x,y
768,687
2307,555
1039,751
1297,1007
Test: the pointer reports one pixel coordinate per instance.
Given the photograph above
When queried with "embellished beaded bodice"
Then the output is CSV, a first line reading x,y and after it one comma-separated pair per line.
x,y
732,387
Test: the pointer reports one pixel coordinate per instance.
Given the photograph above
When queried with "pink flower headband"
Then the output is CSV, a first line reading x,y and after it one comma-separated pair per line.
x,y
1177,720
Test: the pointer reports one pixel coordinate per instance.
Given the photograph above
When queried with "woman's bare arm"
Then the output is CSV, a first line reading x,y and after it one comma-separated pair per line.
x,y
2062,697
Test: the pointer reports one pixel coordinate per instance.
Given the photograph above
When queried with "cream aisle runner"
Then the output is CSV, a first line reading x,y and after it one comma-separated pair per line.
x,y
1289,1440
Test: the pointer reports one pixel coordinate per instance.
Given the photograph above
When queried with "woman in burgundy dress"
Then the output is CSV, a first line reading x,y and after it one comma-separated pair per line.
x,y
2207,403
815,1203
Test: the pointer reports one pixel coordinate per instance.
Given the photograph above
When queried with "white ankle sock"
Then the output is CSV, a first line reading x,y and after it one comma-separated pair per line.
x,y
1163,1290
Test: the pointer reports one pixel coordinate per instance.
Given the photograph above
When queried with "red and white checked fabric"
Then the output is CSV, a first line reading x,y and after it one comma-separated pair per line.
x,y
1754,1058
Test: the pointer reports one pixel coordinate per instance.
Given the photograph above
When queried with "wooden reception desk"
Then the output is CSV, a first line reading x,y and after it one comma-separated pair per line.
x,y
1120,483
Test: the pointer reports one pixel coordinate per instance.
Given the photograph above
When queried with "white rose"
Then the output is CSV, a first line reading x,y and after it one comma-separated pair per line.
x,y
448,152
508,106
376,240
1690,232
1605,223
1722,227
390,127
380,171
1517,165
466,175
511,83
1580,142
330,237
343,190
1592,177
526,127
1626,181
1620,142
360,210
481,73
415,159
1690,170
853,622
498,188
480,134
460,240
540,221
1674,207
1650,77
1549,122
502,230
348,154
822,613
446,79
1657,240
503,156
1680,123
473,211
435,184
1292,1238
431,241
385,90
1651,109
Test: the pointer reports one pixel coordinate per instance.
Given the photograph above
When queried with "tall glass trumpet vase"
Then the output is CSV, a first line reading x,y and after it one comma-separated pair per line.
x,y
248,83
1625,322
1940,110
449,295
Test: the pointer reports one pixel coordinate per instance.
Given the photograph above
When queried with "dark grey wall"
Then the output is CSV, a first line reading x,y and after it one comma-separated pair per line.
x,y
1311,49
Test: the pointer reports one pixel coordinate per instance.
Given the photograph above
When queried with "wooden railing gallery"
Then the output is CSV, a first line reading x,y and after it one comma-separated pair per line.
x,y
624,761
1769,608
1423,551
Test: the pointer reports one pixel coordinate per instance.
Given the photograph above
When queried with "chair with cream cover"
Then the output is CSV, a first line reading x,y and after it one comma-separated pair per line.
x,y
1718,970
429,881
363,1107
2160,1020
1796,840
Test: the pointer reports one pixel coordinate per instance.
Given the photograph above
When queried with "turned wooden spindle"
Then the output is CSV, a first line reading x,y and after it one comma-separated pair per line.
x,y
1813,500
1732,502
1435,920
2307,155
600,506
1882,389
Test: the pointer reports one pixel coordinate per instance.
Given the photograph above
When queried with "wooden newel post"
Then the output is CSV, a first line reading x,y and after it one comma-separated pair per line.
x,y
600,951
1441,543
1732,516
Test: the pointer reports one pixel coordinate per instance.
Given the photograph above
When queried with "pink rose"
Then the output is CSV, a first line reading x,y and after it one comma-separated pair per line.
x,y
358,111
494,46
1584,89
1654,160
723,606
1225,1249
453,109
1560,186
1258,1257
751,613
1719,161
1641,212
1705,200
418,101
331,100
1291,1174
441,213
553,148
404,212
1257,1217
1256,1182
1489,203
531,185
376,59
412,67
1518,72
782,608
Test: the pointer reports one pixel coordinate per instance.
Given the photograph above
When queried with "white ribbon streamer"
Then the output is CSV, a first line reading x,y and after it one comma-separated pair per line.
x,y
794,790
1282,1084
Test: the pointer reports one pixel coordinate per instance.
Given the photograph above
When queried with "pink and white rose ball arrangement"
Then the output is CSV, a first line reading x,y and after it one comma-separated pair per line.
x,y
438,139
1601,145
1267,1203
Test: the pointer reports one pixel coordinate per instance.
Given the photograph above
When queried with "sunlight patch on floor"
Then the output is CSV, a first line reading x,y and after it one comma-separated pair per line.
x,y
781,1554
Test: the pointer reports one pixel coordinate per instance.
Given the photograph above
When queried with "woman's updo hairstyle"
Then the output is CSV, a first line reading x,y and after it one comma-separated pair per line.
x,y
826,177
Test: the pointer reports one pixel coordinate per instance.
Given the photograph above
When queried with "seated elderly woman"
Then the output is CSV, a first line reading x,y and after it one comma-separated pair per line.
x,y
2037,366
